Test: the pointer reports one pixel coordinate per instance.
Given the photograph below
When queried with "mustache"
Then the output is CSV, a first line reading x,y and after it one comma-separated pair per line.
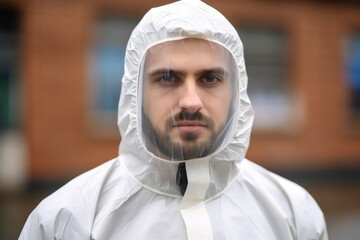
x,y
188,116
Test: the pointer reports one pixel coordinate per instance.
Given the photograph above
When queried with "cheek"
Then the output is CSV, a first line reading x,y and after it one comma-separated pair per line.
x,y
223,113
228,103
148,106
220,109
158,108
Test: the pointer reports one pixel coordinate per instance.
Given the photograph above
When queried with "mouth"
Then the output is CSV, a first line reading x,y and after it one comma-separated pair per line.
x,y
190,126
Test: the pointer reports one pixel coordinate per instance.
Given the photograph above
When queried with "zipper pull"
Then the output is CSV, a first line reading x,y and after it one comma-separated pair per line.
x,y
181,178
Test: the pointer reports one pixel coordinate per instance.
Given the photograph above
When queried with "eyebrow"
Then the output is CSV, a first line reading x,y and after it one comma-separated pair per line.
x,y
161,71
217,70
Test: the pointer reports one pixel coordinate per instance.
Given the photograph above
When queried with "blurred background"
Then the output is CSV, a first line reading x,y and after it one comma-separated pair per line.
x,y
61,64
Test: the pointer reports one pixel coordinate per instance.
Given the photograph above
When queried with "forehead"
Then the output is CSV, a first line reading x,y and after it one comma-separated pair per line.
x,y
190,53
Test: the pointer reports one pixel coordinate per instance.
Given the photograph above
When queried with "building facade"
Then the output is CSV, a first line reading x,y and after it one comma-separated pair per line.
x,y
302,59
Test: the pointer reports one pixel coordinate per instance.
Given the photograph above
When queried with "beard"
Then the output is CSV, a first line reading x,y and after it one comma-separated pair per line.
x,y
183,146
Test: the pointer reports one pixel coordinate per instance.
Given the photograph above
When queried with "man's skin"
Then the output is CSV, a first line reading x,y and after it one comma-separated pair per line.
x,y
187,96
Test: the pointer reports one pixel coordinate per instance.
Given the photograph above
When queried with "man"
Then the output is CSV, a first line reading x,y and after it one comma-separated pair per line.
x,y
185,121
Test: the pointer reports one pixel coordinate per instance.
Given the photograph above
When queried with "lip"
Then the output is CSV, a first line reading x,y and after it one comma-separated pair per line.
x,y
190,126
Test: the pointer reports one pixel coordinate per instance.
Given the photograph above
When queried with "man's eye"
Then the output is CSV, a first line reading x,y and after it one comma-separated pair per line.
x,y
167,77
211,79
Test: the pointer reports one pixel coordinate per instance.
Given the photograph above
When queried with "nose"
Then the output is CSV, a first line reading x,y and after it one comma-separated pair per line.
x,y
190,99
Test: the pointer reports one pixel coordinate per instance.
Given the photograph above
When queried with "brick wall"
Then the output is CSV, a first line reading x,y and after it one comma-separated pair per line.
x,y
56,42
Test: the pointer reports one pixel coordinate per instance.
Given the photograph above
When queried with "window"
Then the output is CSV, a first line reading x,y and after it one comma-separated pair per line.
x,y
265,52
110,37
9,85
353,73
12,145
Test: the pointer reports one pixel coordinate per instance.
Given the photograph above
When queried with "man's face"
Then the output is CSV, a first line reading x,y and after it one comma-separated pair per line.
x,y
187,94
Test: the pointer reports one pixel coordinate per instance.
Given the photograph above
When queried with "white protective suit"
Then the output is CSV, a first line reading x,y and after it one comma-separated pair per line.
x,y
136,195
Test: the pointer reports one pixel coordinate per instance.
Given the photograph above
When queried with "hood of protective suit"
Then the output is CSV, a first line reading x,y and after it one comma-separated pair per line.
x,y
189,19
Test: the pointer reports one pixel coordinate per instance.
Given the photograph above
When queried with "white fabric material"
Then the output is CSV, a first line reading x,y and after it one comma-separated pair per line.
x,y
192,206
106,203
135,196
